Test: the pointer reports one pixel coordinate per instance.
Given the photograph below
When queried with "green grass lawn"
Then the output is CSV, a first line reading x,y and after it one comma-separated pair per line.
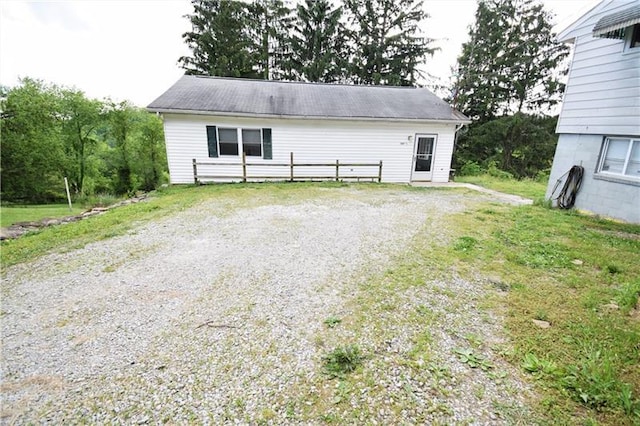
x,y
527,188
30,213
581,275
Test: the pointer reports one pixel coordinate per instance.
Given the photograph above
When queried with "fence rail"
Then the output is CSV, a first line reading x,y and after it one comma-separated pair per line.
x,y
198,177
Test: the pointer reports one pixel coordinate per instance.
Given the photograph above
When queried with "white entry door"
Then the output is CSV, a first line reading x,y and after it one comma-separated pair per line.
x,y
424,148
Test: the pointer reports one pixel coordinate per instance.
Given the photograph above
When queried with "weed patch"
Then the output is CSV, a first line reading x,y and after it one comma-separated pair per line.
x,y
342,360
332,322
473,359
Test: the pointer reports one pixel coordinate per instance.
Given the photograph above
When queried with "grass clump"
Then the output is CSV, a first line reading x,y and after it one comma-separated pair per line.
x,y
342,361
465,243
594,382
332,321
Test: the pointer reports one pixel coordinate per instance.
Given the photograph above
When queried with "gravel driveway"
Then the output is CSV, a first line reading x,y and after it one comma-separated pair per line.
x,y
217,315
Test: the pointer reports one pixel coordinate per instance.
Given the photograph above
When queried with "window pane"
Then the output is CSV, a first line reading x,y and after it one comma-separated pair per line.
x,y
615,155
252,142
228,135
252,149
251,136
228,148
633,168
635,36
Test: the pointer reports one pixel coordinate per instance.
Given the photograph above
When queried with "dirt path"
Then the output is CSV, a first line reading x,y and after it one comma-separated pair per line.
x,y
217,315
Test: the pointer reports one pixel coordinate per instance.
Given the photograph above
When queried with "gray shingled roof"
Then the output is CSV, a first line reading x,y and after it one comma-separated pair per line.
x,y
211,95
617,21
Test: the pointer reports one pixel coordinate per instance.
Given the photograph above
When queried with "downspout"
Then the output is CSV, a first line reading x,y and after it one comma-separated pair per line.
x,y
452,172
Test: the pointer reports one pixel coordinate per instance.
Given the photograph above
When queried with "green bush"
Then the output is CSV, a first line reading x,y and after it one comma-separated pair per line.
x,y
471,168
543,176
494,171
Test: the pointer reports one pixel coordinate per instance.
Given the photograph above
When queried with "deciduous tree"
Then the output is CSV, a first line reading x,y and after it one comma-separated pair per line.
x,y
33,156
80,117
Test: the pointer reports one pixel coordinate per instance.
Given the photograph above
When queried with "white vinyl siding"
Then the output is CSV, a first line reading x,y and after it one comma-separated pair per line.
x,y
603,88
310,141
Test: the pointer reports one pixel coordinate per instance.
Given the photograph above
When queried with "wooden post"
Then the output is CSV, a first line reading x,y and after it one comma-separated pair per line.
x,y
195,171
291,173
337,170
66,187
244,167
380,172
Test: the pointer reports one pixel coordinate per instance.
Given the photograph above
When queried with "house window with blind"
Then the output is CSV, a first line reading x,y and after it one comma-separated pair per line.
x,y
620,156
232,141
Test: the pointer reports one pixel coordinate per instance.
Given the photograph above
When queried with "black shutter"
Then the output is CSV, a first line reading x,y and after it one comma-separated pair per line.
x,y
212,141
266,144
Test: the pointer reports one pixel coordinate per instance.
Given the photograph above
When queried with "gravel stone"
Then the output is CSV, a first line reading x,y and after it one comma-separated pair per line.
x,y
212,315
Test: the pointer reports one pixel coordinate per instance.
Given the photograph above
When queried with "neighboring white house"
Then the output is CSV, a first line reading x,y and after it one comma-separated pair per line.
x,y
213,119
599,125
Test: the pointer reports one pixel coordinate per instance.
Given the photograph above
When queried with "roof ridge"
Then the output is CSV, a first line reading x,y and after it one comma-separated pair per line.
x,y
308,83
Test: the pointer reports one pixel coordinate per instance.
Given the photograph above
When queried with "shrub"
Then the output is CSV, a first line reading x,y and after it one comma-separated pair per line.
x,y
543,176
494,171
471,169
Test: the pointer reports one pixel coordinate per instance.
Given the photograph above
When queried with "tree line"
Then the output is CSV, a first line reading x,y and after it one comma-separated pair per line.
x,y
506,78
50,132
357,42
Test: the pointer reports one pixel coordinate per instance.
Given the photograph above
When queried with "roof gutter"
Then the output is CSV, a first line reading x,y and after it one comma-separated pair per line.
x,y
308,117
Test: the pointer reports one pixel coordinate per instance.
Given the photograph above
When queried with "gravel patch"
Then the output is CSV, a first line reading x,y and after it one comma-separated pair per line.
x,y
215,315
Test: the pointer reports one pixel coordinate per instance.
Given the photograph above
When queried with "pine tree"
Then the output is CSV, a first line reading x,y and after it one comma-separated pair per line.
x,y
220,40
508,75
318,43
387,46
269,26
510,63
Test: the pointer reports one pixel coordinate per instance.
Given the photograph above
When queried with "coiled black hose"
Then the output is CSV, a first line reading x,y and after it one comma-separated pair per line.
x,y
567,197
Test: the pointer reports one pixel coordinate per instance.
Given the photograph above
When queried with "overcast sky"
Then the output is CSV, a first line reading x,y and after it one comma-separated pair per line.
x,y
129,49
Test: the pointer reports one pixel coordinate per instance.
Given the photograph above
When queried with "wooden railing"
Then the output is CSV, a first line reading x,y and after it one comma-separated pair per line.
x,y
292,166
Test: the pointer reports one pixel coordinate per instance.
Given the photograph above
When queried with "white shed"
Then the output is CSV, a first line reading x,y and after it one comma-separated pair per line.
x,y
215,120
